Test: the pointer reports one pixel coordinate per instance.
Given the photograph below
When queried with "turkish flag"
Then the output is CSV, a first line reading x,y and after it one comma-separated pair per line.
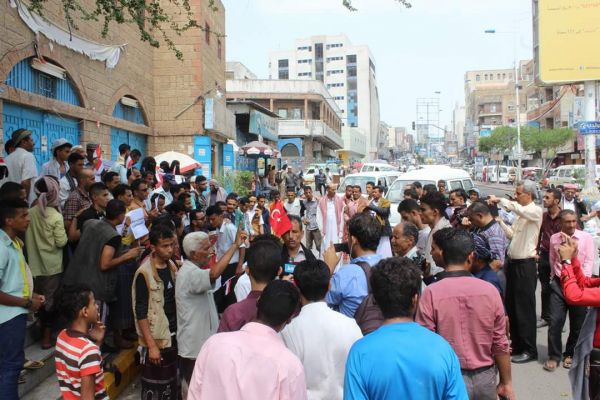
x,y
279,221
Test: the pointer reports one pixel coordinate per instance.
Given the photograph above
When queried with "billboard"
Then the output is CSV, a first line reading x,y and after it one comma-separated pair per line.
x,y
567,38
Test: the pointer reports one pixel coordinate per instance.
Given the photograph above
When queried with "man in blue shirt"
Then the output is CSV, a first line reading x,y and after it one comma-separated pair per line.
x,y
401,359
16,295
349,284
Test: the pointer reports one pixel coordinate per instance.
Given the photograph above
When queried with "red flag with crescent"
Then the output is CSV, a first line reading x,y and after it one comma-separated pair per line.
x,y
279,220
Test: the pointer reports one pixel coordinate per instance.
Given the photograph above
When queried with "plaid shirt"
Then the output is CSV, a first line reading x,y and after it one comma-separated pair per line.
x,y
496,238
77,200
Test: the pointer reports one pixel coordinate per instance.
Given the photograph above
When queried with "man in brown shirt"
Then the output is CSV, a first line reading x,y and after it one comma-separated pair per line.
x,y
550,226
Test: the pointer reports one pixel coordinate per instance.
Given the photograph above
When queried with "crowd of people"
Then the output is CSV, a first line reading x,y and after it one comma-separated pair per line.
x,y
304,294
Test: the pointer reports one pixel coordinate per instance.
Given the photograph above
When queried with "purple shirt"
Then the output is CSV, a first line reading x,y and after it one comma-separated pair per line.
x,y
250,364
240,313
585,252
469,314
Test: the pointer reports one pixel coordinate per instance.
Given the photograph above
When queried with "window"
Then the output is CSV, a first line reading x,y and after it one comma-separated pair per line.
x,y
46,85
305,61
498,76
339,98
284,74
335,72
308,74
296,113
503,76
332,85
219,49
485,77
478,78
338,58
207,33
283,63
308,48
334,45
351,59
282,112
351,71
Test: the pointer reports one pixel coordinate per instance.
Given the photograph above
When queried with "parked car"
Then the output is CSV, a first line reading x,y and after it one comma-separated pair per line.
x,y
569,174
385,179
378,167
455,179
312,169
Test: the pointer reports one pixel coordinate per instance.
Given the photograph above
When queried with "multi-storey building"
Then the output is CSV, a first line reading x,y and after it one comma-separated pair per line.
x,y
490,101
348,73
116,89
309,126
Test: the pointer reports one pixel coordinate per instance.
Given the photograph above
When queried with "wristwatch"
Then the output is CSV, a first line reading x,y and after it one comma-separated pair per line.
x,y
567,261
28,304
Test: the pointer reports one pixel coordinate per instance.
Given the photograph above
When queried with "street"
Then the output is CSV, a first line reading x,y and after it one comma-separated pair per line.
x,y
531,381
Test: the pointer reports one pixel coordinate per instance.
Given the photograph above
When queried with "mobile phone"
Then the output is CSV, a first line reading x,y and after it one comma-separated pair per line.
x,y
288,268
341,248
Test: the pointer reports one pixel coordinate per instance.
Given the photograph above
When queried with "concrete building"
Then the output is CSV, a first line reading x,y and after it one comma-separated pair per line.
x,y
139,95
458,126
237,70
383,148
490,102
348,72
309,127
355,145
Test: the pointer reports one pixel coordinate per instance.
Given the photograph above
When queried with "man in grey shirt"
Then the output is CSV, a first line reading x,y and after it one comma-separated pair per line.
x,y
313,234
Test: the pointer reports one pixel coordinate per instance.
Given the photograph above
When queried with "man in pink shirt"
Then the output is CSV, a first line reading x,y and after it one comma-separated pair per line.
x,y
558,304
253,363
468,313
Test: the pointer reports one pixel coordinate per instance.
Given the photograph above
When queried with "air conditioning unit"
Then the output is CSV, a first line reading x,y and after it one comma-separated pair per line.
x,y
129,102
48,68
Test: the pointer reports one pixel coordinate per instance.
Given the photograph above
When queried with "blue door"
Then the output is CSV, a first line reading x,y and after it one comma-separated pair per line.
x,y
203,154
46,128
134,140
228,158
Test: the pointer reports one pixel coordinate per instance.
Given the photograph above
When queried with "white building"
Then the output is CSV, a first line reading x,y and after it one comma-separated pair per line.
x,y
348,73
458,121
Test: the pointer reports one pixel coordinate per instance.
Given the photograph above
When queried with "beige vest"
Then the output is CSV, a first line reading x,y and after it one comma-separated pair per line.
x,y
157,319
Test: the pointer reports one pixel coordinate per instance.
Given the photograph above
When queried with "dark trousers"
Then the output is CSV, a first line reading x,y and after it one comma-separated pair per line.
x,y
12,355
186,366
594,382
222,298
521,279
544,277
558,315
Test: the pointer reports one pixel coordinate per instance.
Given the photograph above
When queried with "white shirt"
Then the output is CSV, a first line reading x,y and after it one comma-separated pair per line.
x,y
569,205
197,316
21,167
65,189
322,338
441,224
52,167
227,235
423,236
243,287
292,208
525,230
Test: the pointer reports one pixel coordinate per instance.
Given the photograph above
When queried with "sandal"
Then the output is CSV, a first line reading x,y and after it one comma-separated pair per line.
x,y
29,364
568,362
550,365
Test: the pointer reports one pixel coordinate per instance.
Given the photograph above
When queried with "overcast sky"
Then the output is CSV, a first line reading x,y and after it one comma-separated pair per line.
x,y
417,51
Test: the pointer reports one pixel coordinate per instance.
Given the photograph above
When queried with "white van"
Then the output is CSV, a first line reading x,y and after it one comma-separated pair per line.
x,y
455,179
378,167
385,179
568,174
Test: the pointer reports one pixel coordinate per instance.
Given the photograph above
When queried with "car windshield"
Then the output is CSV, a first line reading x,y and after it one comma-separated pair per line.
x,y
356,180
396,192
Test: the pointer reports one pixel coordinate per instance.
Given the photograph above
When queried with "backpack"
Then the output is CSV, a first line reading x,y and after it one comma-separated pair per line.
x,y
368,316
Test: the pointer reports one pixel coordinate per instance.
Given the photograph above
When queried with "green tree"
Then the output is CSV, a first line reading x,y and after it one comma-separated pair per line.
x,y
151,19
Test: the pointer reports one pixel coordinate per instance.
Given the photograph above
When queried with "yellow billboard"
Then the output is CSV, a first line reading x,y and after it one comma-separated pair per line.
x,y
569,40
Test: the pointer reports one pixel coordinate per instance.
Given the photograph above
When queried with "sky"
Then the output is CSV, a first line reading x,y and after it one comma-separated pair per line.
x,y
418,51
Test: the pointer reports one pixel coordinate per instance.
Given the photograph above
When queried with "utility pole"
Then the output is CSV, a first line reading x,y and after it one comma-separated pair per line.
x,y
589,105
518,120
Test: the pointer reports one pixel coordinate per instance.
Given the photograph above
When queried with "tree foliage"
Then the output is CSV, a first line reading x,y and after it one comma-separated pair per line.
x,y
151,19
532,139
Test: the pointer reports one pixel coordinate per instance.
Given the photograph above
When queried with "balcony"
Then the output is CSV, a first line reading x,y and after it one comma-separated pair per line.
x,y
316,129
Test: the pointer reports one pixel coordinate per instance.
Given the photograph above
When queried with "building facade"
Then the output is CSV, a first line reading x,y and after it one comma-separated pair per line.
x,y
348,73
309,126
490,102
139,95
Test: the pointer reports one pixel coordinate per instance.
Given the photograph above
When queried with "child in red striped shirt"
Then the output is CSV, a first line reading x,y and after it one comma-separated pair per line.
x,y
78,357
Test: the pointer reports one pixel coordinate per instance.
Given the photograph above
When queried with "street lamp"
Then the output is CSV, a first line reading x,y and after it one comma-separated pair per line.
x,y
518,106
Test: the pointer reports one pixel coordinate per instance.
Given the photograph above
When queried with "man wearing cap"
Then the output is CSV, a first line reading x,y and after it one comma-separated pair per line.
x,y
165,189
571,202
58,167
474,195
21,164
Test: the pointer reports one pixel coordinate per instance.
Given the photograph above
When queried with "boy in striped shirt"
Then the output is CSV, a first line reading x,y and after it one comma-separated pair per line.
x,y
78,358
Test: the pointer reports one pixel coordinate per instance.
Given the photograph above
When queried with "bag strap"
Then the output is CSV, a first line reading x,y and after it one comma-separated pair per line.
x,y
366,267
